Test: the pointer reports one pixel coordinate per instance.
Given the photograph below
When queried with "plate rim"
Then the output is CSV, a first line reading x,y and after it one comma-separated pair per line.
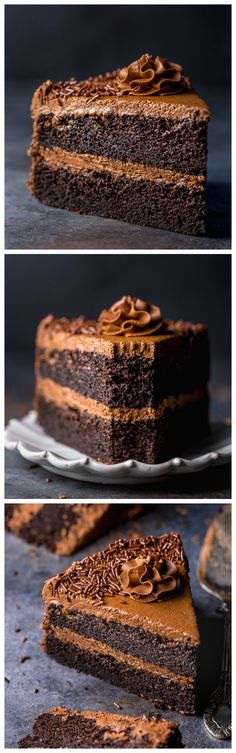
x,y
128,470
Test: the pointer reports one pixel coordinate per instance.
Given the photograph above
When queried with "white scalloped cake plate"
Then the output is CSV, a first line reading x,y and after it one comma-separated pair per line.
x,y
28,438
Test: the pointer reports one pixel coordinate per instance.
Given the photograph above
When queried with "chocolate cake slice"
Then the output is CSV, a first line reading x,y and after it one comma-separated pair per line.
x,y
126,615
65,528
129,145
128,386
64,728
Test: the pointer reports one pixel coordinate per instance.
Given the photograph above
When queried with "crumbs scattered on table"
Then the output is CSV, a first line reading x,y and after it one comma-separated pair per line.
x,y
62,496
31,551
17,630
15,572
24,638
24,658
35,690
181,510
48,480
7,679
117,705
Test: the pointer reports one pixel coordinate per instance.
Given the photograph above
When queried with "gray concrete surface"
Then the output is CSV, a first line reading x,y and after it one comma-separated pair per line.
x,y
39,683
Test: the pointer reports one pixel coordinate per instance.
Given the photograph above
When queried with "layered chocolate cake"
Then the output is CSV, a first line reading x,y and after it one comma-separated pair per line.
x,y
126,615
129,145
130,385
65,528
64,728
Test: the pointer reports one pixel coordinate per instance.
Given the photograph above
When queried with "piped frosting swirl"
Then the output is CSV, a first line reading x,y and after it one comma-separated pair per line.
x,y
130,316
152,75
149,579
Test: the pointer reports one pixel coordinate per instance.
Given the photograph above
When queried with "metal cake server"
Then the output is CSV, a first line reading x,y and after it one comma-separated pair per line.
x,y
214,573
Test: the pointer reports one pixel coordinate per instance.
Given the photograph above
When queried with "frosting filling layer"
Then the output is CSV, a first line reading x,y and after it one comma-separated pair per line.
x,y
186,105
90,644
87,163
150,642
66,397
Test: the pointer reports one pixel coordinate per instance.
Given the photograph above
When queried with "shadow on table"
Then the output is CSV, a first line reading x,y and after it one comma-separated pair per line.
x,y
218,222
210,656
213,482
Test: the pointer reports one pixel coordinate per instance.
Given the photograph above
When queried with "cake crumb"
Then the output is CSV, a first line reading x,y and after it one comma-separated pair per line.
x,y
24,639
32,552
7,679
17,630
35,690
117,705
24,658
15,572
181,510
62,496
48,480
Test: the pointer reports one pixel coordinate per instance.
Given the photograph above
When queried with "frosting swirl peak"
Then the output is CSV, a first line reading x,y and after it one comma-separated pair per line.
x,y
152,75
130,316
149,579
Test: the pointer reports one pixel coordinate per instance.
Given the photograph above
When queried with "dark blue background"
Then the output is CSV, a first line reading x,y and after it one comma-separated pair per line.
x,y
194,287
50,41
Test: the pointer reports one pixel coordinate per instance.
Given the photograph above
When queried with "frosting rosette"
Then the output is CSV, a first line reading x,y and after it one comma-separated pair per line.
x,y
149,579
152,75
130,316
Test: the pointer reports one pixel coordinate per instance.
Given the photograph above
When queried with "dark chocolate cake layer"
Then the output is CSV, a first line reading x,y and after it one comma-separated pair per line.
x,y
130,381
166,692
130,385
184,150
147,440
168,203
126,615
64,728
65,528
166,652
118,126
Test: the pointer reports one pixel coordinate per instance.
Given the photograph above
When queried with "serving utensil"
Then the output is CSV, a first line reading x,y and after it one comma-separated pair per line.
x,y
214,573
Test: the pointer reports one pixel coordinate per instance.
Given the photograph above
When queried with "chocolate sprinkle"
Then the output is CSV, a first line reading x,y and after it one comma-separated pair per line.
x,y
93,87
97,576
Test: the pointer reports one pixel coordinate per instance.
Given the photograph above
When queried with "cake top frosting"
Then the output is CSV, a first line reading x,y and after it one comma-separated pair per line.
x,y
144,569
129,317
149,75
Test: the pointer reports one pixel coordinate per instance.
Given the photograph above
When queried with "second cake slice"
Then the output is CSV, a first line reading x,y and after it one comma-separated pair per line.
x,y
125,614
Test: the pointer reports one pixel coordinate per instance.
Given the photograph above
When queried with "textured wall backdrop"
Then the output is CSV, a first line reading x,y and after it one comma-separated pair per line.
x,y
195,287
45,41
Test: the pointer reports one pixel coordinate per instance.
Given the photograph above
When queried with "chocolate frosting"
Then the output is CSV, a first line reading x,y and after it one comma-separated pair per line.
x,y
149,579
152,75
148,75
130,316
78,326
98,575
